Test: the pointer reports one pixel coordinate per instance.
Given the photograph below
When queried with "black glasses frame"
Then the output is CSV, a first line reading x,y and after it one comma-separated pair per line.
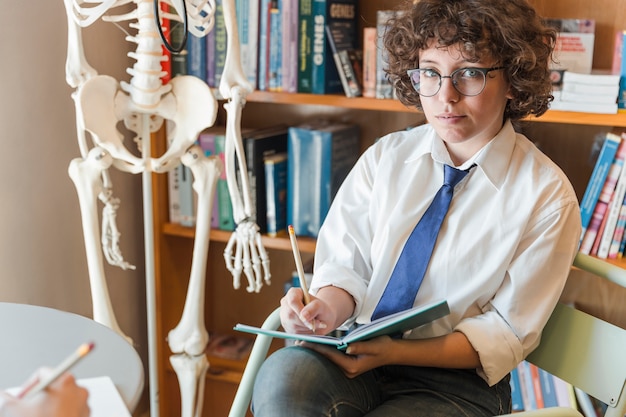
x,y
484,71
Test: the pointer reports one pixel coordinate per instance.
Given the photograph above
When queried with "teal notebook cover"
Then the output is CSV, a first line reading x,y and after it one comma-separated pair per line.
x,y
389,325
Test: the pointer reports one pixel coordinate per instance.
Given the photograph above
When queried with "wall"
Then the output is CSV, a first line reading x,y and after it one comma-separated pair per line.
x,y
42,255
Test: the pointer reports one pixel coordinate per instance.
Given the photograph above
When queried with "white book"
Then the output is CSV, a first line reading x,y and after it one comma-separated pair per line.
x,y
579,88
588,98
598,108
591,79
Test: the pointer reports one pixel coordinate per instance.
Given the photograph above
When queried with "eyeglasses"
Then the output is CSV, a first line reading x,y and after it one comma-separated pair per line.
x,y
467,81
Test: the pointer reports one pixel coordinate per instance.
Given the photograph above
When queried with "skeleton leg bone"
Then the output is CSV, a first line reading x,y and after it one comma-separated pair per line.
x,y
190,335
87,177
190,371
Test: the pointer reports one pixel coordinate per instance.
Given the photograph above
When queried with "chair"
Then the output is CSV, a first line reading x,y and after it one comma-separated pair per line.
x,y
35,336
583,350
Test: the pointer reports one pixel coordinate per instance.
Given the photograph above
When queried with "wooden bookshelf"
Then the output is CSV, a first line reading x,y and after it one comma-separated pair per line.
x,y
566,137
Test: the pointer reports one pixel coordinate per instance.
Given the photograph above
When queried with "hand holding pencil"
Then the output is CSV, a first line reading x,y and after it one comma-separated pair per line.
x,y
40,383
59,394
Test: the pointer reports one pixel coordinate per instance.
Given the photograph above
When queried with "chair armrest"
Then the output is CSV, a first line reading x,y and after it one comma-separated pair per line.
x,y
548,412
257,356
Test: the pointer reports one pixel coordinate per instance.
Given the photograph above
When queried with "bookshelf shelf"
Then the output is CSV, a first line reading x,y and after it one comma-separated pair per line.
x,y
281,242
373,104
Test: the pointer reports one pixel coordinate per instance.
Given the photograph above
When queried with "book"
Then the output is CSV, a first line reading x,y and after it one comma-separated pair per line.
x,y
598,108
320,155
536,384
248,31
616,204
305,46
206,141
598,219
220,42
210,58
546,382
369,62
258,145
619,66
276,192
341,18
348,66
567,95
179,60
265,8
390,325
166,62
598,177
289,69
196,57
225,210
384,89
564,391
275,63
595,79
573,50
527,389
516,394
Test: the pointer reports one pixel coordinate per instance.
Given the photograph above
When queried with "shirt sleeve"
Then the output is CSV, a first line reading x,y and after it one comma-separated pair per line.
x,y
509,327
342,257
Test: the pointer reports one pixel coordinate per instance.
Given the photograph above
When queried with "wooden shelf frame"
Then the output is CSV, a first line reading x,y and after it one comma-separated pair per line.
x,y
373,104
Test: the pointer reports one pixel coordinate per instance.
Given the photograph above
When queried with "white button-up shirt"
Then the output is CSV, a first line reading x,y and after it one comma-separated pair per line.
x,y
503,253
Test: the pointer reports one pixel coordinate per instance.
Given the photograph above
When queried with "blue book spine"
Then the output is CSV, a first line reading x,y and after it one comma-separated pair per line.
x,y
276,193
275,79
598,177
196,57
264,46
340,16
516,393
319,158
526,383
547,389
248,30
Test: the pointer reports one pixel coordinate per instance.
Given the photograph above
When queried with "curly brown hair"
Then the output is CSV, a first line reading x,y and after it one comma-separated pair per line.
x,y
508,30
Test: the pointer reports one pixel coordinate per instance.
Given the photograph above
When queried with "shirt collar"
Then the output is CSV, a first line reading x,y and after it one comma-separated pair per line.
x,y
493,159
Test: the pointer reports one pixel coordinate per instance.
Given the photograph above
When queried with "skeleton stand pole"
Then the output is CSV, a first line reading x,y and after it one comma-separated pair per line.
x,y
148,225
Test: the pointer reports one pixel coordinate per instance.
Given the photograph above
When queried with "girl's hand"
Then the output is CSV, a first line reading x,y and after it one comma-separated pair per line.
x,y
359,357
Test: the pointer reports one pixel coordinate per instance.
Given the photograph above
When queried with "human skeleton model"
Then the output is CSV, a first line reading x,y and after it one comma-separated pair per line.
x,y
189,106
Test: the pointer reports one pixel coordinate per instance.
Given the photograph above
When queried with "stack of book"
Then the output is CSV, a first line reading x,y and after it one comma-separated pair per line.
x,y
590,93
293,175
532,388
603,206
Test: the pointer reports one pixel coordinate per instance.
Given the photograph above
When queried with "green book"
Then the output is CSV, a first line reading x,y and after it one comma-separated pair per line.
x,y
390,325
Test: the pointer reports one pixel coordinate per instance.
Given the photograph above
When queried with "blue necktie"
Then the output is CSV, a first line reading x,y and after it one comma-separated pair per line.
x,y
409,271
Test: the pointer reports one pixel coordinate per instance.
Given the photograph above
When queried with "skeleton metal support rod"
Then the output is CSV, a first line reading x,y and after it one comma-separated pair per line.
x,y
148,226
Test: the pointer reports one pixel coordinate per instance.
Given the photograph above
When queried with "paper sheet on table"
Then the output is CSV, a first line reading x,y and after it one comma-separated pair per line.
x,y
104,399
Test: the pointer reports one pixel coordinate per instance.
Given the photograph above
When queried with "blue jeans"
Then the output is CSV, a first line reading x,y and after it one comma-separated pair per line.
x,y
298,382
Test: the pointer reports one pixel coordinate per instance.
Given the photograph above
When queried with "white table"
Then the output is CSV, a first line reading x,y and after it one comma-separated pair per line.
x,y
35,336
